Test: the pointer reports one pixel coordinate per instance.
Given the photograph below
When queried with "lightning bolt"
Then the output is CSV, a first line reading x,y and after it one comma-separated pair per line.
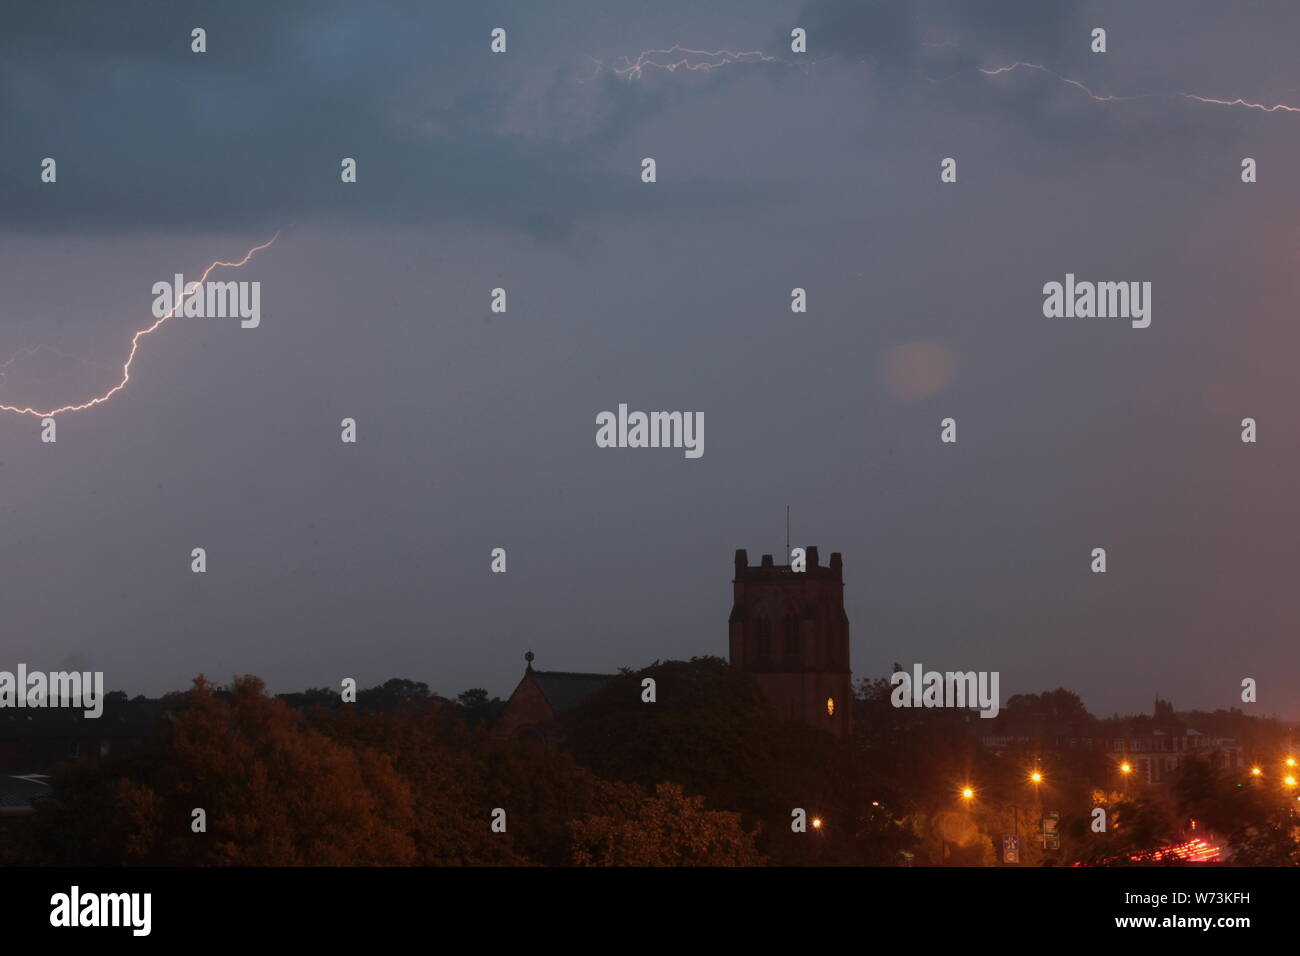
x,y
1100,98
683,58
135,342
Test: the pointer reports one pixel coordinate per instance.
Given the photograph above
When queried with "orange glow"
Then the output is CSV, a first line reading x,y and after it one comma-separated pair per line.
x,y
1290,781
1125,768
1035,777
830,706
135,341
817,823
1255,771
967,793
1290,761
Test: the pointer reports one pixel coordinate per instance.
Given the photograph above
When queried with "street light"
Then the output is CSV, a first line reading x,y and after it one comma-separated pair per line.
x,y
1036,778
1289,781
967,794
1255,771
1126,771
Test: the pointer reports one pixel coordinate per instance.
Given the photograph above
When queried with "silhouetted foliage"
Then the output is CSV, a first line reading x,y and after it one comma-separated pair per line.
x,y
706,774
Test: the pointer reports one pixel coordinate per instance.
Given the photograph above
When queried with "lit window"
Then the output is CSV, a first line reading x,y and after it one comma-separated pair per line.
x,y
830,706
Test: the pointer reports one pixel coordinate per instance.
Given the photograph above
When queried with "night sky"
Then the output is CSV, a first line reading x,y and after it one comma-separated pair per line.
x,y
476,430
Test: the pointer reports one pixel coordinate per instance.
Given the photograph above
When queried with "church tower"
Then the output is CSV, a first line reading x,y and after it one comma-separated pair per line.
x,y
788,628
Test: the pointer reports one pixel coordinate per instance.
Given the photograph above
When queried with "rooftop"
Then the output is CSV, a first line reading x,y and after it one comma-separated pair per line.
x,y
566,689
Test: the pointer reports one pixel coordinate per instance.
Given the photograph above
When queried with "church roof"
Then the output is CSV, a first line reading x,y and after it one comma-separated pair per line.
x,y
566,689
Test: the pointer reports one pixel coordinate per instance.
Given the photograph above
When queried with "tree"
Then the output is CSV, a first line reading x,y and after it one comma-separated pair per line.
x,y
667,829
274,793
712,731
1257,821
1135,826
459,776
477,708
394,694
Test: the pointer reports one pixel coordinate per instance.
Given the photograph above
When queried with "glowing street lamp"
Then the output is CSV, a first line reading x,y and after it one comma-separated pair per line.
x,y
967,793
1289,781
1035,777
1126,767
817,823
1255,772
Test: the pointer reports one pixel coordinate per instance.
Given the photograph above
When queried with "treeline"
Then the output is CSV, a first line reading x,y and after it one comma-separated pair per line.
x,y
236,777
706,775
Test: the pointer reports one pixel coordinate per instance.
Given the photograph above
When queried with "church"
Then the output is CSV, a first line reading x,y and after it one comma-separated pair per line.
x,y
787,627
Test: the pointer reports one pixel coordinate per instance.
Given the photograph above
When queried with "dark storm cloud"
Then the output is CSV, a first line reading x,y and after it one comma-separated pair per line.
x,y
898,34
250,135
928,54
886,32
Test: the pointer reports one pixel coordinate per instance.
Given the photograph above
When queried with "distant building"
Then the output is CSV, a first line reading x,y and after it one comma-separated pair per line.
x,y
1155,757
38,739
789,629
1153,746
533,710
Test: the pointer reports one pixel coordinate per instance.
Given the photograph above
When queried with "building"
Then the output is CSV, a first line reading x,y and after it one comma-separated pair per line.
x,y
1156,757
1154,747
41,738
534,709
789,629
